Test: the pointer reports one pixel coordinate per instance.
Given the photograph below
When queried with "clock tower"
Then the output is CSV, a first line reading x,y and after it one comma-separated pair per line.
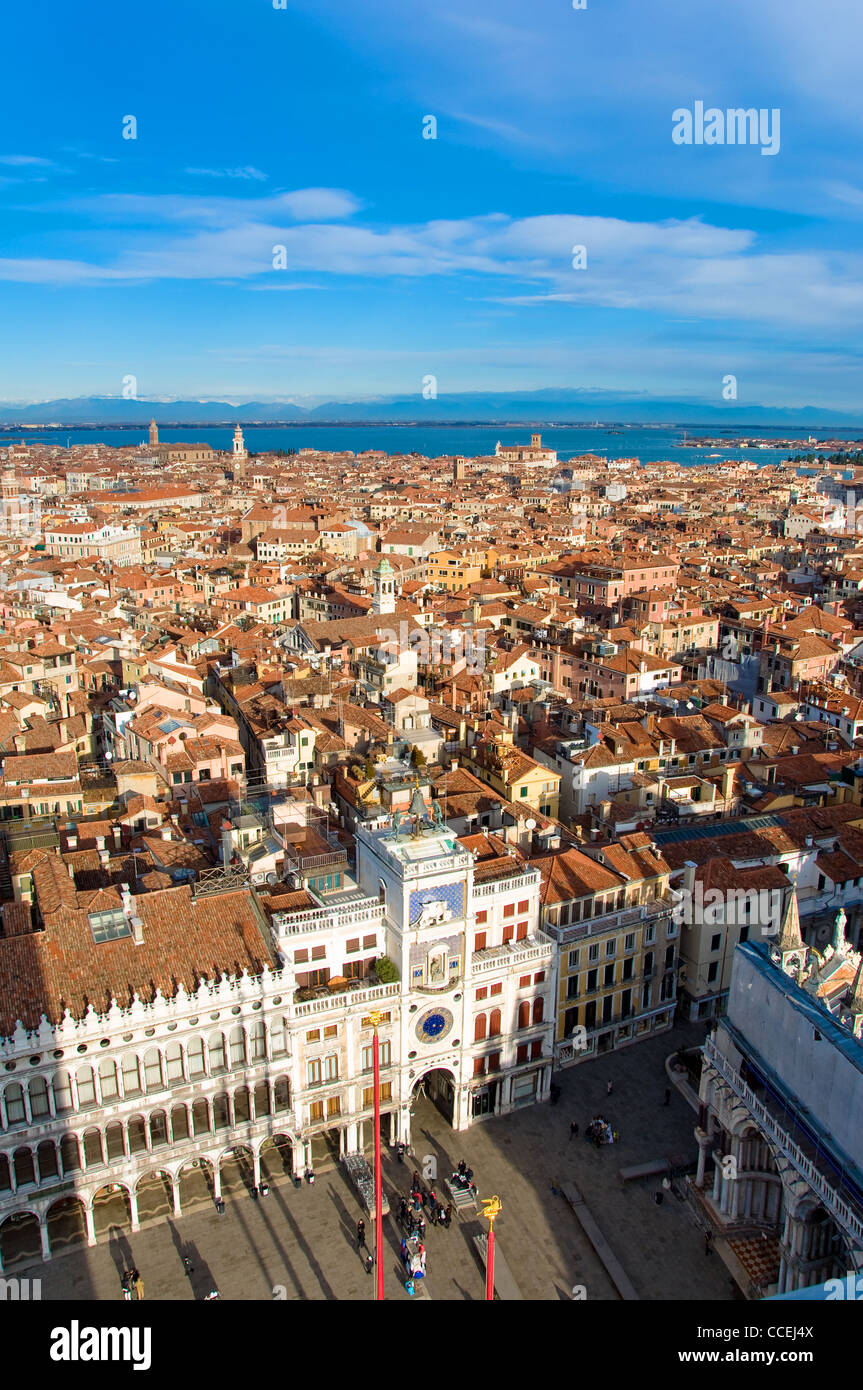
x,y
424,879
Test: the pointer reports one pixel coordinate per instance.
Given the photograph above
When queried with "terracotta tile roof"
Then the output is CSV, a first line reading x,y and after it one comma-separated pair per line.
x,y
185,941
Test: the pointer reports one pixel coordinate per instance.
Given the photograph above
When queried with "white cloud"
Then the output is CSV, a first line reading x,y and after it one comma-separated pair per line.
x,y
683,268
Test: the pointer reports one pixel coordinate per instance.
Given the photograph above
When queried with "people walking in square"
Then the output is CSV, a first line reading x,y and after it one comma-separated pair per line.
x,y
370,1260
448,1217
573,1130
126,1285
361,1234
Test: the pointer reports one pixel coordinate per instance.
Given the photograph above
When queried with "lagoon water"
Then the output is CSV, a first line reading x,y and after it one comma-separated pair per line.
x,y
644,442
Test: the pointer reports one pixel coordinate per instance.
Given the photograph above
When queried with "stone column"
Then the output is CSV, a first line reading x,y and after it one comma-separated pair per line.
x,y
298,1158
703,1145
133,1209
717,1174
217,1183
175,1195
90,1225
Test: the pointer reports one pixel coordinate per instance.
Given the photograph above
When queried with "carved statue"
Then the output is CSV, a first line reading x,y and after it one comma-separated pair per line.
x,y
839,930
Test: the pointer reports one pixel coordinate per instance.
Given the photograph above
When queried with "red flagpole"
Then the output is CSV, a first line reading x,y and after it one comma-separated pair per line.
x,y
491,1211
379,1216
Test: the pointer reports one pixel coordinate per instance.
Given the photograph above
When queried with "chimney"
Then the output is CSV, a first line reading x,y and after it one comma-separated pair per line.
x,y
689,869
227,842
453,763
71,836
117,832
137,930
104,858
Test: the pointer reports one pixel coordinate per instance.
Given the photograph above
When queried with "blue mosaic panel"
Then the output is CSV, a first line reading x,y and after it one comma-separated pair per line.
x,y
450,893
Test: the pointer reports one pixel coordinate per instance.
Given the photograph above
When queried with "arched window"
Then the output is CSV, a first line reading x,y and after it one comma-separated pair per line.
x,y
262,1099
131,1076
217,1054
238,1048
281,1094
153,1069
242,1106
258,1041
115,1145
174,1062
86,1087
137,1131
179,1123
92,1148
278,1038
479,1027
46,1155
158,1129
524,1014
25,1169
39,1097
537,1010
195,1058
108,1079
14,1098
70,1155
494,1023
221,1112
62,1092
5,1179
201,1117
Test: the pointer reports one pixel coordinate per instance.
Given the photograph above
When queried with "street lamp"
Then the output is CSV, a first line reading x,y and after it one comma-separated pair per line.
x,y
490,1210
376,1018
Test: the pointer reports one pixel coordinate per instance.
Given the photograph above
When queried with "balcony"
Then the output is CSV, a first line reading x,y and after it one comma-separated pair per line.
x,y
505,884
367,912
374,994
511,954
617,920
814,1166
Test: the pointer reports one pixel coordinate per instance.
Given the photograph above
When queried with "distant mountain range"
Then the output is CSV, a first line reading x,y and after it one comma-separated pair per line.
x,y
552,406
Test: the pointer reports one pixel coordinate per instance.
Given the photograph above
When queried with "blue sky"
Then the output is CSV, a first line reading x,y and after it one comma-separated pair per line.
x,y
302,127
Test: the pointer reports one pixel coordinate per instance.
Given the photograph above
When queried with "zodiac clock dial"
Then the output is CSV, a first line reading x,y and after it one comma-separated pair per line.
x,y
434,1025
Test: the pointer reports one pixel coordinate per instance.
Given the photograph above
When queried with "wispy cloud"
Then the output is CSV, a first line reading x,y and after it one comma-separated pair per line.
x,y
23,160
247,172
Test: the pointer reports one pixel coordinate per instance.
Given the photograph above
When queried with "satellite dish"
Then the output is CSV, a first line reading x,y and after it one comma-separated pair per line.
x,y
272,878
569,699
530,824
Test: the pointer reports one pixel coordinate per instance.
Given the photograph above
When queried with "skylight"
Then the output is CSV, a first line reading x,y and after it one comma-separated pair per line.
x,y
109,926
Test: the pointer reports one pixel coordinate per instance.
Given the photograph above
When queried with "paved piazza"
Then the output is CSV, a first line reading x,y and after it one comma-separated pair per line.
x,y
304,1239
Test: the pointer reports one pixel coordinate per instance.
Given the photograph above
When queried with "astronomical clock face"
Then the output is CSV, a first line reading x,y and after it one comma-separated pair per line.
x,y
434,1025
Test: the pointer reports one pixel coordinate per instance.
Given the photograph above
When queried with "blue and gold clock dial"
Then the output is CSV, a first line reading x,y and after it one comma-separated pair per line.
x,y
434,1025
